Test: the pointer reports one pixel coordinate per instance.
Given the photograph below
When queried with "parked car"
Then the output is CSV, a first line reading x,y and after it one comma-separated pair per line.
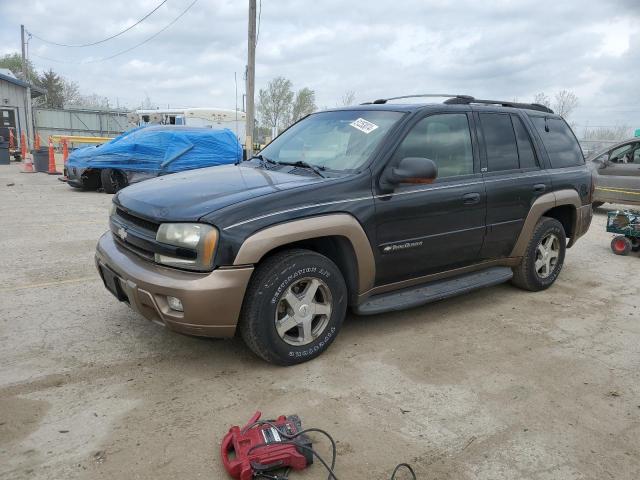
x,y
617,173
378,207
148,152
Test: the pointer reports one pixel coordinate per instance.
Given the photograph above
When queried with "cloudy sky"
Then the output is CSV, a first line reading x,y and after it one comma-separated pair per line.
x,y
495,49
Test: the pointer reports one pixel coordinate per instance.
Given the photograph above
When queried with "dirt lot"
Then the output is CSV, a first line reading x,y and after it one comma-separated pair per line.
x,y
498,384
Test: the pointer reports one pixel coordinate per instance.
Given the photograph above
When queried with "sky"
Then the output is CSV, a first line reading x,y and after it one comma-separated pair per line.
x,y
379,48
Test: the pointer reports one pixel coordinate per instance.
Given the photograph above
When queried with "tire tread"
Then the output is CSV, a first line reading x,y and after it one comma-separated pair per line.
x,y
251,306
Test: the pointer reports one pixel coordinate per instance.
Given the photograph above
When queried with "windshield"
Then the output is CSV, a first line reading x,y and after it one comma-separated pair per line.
x,y
341,140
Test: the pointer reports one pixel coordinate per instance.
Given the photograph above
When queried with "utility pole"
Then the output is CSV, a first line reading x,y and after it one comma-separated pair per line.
x,y
27,101
251,78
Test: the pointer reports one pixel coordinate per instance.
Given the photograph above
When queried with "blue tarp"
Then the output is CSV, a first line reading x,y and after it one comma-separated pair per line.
x,y
161,149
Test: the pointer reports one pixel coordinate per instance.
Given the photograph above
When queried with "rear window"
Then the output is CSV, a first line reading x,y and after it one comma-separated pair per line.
x,y
559,141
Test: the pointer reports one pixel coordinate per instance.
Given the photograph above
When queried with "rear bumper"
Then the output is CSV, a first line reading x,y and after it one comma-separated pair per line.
x,y
211,301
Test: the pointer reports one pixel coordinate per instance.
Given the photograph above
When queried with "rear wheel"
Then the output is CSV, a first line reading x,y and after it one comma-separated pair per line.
x,y
294,307
113,180
621,245
543,258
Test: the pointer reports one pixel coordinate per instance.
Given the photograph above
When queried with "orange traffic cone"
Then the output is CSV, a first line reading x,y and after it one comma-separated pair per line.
x,y
12,140
27,161
65,150
23,146
65,156
52,160
37,141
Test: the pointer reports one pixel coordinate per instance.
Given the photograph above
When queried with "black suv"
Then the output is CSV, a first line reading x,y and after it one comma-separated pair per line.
x,y
377,207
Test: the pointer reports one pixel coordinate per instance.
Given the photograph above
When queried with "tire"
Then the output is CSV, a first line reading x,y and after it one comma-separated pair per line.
x,y
537,272
597,204
278,282
621,245
635,244
112,180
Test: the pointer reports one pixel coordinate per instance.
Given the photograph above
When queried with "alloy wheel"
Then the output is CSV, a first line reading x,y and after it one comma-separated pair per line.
x,y
547,254
303,311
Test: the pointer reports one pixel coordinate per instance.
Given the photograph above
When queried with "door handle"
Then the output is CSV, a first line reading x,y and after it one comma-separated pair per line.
x,y
539,188
471,198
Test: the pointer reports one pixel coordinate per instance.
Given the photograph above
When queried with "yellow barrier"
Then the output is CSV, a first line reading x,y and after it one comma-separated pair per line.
x,y
80,139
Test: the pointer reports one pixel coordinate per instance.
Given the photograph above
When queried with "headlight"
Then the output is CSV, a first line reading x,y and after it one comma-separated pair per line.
x,y
195,237
112,209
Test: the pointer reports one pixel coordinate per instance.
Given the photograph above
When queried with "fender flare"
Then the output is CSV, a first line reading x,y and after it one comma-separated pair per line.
x,y
541,205
256,246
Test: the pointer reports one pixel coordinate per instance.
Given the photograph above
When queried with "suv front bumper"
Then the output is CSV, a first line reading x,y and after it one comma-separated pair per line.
x,y
211,301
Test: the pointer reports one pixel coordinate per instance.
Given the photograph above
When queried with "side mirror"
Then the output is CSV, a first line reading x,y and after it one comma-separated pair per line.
x,y
409,170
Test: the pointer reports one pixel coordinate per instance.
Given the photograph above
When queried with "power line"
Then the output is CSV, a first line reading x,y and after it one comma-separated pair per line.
x,y
122,52
103,40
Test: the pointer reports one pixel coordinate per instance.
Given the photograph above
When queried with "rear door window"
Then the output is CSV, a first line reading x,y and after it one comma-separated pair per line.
x,y
500,142
559,141
525,147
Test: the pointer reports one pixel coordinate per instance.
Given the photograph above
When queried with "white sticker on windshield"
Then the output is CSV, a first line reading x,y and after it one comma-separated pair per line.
x,y
363,125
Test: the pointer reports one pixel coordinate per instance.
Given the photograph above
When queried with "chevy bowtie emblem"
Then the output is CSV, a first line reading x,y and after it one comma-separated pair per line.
x,y
122,233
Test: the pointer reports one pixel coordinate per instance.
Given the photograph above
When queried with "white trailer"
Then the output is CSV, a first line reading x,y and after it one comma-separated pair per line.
x,y
216,118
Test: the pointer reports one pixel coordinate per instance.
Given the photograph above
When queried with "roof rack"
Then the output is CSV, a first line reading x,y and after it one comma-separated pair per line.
x,y
468,100
381,101
454,99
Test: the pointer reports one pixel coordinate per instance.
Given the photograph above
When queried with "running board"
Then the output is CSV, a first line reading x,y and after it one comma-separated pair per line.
x,y
434,291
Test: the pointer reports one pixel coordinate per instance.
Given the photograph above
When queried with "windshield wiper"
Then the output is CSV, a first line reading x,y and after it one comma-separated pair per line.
x,y
301,163
264,160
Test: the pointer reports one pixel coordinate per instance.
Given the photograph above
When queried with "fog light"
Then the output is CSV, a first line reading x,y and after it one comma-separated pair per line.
x,y
175,304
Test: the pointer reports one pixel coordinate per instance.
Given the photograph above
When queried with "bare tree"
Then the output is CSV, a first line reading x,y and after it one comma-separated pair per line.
x,y
70,92
565,103
611,134
347,99
93,100
304,104
275,102
542,99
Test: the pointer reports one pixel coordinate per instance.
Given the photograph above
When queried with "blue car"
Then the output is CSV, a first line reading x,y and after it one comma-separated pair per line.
x,y
148,152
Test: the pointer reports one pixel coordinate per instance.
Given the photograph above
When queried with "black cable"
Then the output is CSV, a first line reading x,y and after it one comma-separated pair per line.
x,y
403,465
103,40
126,50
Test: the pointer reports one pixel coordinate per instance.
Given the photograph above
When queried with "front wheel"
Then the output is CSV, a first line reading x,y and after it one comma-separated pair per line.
x,y
294,307
113,180
543,258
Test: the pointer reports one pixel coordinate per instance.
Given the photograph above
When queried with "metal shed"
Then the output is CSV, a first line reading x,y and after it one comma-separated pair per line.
x,y
13,103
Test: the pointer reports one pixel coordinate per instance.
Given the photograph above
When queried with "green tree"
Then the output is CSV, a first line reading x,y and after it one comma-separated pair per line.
x,y
303,104
13,62
275,103
54,85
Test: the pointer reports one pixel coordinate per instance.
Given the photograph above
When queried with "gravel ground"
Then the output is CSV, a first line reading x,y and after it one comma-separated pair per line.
x,y
498,384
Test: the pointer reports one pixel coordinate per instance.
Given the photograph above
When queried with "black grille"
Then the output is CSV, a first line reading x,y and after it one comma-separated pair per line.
x,y
140,222
138,251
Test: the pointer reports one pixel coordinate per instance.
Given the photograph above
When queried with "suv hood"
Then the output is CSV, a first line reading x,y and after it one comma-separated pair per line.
x,y
187,196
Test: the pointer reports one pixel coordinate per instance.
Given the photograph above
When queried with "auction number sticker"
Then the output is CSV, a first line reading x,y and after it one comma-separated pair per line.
x,y
363,125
